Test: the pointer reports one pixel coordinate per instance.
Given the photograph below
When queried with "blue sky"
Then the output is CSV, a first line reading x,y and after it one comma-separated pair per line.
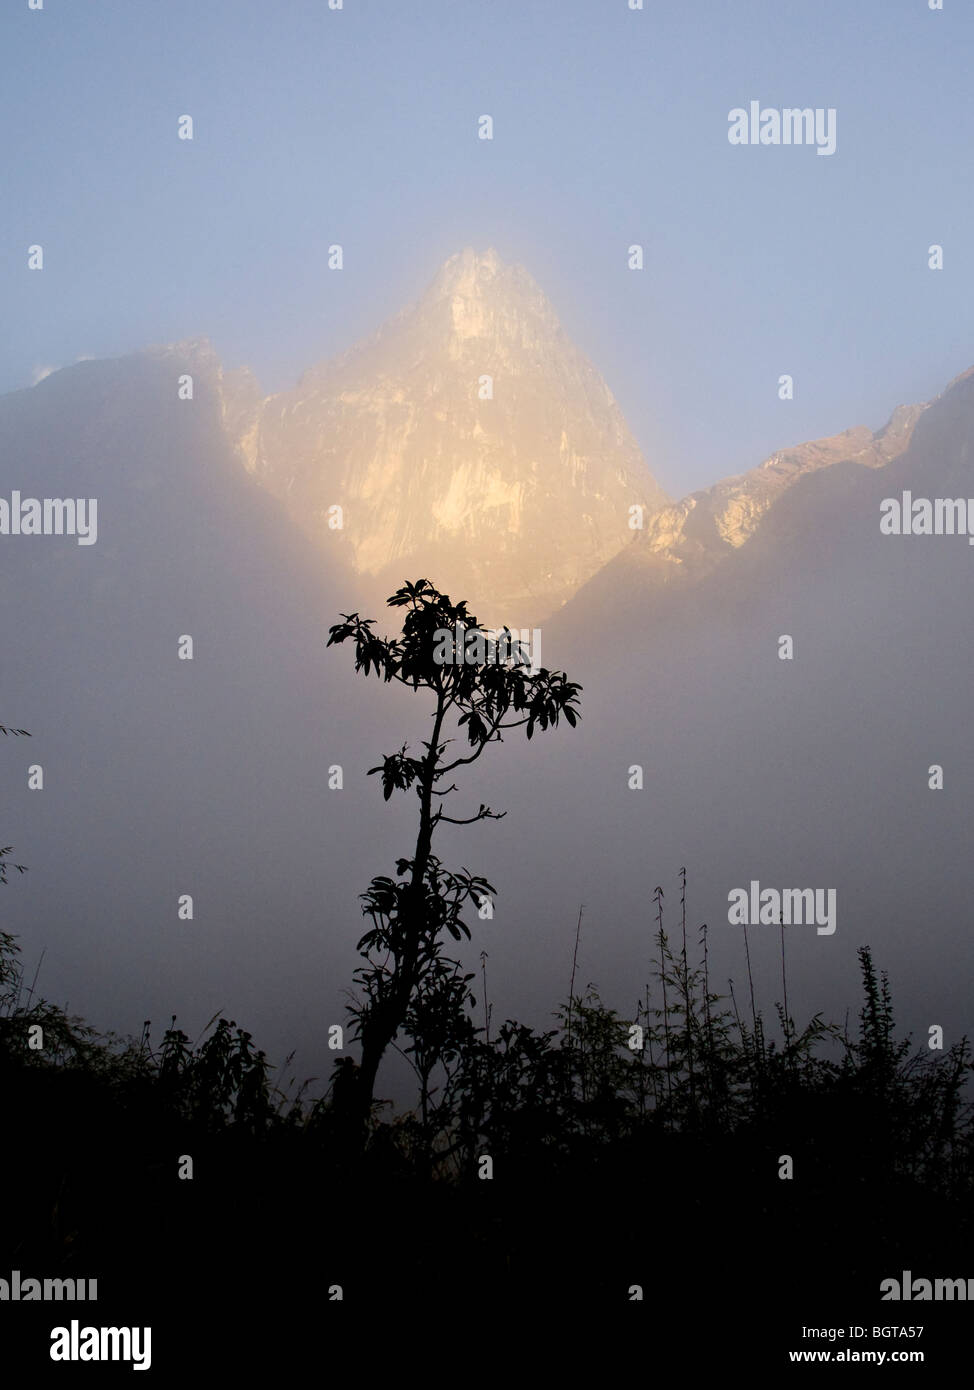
x,y
359,126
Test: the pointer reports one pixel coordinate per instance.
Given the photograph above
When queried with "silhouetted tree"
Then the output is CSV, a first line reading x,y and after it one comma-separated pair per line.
x,y
486,688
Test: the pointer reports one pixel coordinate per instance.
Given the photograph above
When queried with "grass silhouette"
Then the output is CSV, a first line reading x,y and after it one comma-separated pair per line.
x,y
651,1150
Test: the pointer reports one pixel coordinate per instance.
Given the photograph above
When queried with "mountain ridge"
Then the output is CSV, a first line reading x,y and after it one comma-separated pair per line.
x,y
468,438
476,299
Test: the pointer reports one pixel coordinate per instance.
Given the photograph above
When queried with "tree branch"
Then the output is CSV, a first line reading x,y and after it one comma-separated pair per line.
x,y
463,762
485,813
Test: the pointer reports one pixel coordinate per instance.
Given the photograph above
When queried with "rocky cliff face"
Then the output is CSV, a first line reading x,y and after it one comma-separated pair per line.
x,y
468,441
688,539
803,517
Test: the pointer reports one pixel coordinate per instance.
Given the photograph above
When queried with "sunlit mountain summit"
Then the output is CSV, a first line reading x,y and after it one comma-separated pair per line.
x,y
469,437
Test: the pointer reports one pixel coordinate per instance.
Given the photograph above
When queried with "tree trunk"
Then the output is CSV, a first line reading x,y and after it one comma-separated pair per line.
x,y
380,1030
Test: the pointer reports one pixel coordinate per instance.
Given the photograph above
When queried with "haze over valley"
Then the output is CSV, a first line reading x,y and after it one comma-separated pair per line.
x,y
534,503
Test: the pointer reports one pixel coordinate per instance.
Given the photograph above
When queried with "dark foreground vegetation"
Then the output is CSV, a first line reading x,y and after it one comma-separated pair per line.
x,y
684,1168
611,1168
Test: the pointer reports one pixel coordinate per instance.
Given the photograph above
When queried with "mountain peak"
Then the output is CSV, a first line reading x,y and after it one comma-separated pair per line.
x,y
468,272
199,347
469,440
475,295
